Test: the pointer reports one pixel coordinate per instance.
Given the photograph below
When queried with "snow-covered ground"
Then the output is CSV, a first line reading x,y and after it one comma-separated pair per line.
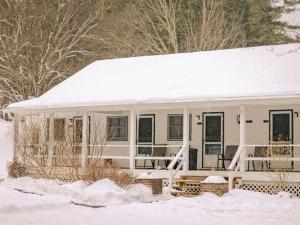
x,y
53,206
6,146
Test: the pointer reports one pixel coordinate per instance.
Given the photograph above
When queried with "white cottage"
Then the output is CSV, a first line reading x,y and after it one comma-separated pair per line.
x,y
213,112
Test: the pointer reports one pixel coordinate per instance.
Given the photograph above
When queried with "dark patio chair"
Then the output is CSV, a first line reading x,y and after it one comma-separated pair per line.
x,y
157,152
259,151
228,155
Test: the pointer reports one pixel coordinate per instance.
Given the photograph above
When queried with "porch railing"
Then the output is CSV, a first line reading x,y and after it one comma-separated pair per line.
x,y
179,156
238,163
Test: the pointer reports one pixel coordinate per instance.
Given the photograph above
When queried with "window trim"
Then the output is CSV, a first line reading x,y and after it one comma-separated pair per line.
x,y
116,138
190,127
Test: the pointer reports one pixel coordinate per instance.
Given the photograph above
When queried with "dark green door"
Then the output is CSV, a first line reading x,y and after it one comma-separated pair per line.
x,y
213,138
145,134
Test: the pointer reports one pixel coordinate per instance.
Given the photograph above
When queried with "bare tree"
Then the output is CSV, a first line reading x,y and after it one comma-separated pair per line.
x,y
172,26
42,42
33,152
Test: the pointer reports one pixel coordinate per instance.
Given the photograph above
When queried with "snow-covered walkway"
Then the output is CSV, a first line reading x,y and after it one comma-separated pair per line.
x,y
54,208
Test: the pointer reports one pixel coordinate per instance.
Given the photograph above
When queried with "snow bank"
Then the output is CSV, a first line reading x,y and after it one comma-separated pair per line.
x,y
237,207
6,147
214,179
103,192
15,201
38,186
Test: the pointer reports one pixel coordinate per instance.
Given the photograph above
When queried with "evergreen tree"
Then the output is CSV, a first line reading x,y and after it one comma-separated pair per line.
x,y
261,25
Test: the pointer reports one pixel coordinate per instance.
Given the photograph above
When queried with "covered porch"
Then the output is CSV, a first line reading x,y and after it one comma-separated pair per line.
x,y
217,138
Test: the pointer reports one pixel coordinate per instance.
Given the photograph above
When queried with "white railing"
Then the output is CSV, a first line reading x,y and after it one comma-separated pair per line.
x,y
105,155
238,162
174,161
234,166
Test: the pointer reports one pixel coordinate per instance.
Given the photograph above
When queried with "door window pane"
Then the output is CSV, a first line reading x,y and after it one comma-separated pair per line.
x,y
281,127
145,130
213,128
78,131
212,149
145,150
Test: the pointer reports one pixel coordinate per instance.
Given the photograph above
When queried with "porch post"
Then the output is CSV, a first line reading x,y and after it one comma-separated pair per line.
x,y
132,140
242,137
84,147
43,136
186,139
16,137
51,139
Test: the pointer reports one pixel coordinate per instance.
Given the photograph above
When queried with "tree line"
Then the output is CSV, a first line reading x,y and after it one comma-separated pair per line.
x,y
42,42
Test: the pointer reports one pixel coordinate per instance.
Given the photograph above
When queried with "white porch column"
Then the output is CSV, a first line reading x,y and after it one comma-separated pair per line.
x,y
16,136
84,147
51,139
132,139
242,137
43,136
185,141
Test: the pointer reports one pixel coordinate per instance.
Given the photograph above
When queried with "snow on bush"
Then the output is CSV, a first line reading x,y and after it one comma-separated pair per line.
x,y
214,180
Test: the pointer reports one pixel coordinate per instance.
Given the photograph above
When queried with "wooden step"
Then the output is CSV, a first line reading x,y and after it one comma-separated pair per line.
x,y
192,177
185,187
185,193
188,181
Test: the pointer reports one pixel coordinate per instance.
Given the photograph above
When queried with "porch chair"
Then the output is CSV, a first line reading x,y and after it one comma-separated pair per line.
x,y
259,151
228,155
157,152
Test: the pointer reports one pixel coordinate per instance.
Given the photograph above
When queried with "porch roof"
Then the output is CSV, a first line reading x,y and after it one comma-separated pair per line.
x,y
223,75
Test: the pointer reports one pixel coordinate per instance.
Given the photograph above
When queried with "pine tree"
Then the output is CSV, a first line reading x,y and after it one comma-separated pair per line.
x,y
261,25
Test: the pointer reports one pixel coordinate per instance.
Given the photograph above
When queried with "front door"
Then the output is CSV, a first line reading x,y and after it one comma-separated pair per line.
x,y
145,134
281,133
213,138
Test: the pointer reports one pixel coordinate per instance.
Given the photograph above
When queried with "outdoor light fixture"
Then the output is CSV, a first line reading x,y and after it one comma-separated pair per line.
x,y
198,119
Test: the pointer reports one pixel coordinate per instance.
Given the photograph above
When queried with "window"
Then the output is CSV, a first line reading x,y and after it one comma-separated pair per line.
x,y
117,128
77,130
59,129
175,127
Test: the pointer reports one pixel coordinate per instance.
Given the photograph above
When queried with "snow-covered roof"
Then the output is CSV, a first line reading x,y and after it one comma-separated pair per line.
x,y
256,72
